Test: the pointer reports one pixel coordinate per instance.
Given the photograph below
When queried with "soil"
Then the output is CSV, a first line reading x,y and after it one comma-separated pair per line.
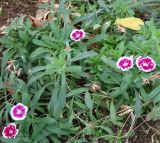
x,y
13,8
146,132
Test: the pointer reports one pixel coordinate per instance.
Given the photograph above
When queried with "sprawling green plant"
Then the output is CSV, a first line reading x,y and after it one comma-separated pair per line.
x,y
73,89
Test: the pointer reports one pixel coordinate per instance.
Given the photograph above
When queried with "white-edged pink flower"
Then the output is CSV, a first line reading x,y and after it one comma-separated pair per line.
x,y
77,34
10,131
19,112
125,63
145,64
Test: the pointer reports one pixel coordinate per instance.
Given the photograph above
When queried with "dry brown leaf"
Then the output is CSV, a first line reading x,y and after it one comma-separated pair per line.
x,y
36,22
145,81
125,109
154,76
121,29
2,28
10,90
76,14
10,66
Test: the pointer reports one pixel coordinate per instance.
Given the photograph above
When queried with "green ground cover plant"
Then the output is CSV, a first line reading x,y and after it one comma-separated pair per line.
x,y
73,90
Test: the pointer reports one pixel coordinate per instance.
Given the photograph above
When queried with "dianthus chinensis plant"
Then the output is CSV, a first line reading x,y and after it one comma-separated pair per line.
x,y
76,78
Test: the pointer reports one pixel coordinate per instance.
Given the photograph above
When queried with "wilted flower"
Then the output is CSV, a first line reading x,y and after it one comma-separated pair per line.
x,y
10,131
77,34
145,64
145,81
121,29
19,112
95,87
125,63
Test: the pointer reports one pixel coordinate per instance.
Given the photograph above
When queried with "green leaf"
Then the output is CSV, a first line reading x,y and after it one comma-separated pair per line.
x,y
45,120
38,76
1,83
101,3
38,52
154,114
23,35
57,130
5,58
153,94
36,131
156,99
42,43
26,99
1,113
81,18
55,139
127,80
74,69
107,129
37,96
35,78
113,113
76,92
53,98
105,26
138,104
97,38
9,140
84,55
88,101
6,40
109,63
37,69
61,98
96,26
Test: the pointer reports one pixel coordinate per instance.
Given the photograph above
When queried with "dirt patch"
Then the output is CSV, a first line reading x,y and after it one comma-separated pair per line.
x,y
146,132
13,8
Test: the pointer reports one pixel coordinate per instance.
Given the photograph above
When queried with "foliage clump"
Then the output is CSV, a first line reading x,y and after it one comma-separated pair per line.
x,y
76,89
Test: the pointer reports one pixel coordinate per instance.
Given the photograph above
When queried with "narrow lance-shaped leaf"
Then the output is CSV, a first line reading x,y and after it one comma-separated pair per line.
x,y
88,101
53,98
138,104
113,116
84,55
61,98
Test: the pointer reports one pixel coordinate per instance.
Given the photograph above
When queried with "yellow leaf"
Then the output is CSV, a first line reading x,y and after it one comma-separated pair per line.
x,y
130,22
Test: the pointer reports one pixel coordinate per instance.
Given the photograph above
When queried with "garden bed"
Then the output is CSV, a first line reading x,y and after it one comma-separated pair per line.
x,y
54,63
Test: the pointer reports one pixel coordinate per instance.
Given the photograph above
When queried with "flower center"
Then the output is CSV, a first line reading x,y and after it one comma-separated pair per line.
x,y
78,35
10,131
125,64
19,112
145,64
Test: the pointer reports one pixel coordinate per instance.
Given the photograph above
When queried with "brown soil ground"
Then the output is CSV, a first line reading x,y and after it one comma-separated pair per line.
x,y
146,132
13,8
